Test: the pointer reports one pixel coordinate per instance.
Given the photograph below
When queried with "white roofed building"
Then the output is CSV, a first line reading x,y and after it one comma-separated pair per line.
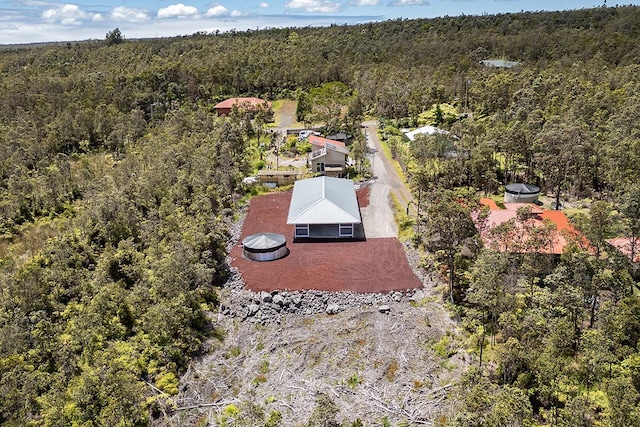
x,y
325,208
425,130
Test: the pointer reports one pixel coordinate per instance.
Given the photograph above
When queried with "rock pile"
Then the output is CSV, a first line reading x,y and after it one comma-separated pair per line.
x,y
269,307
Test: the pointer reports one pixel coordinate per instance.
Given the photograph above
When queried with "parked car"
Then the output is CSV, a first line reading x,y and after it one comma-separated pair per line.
x,y
250,180
304,134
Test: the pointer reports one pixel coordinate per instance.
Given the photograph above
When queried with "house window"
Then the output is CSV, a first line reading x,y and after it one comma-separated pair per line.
x,y
346,230
302,230
320,167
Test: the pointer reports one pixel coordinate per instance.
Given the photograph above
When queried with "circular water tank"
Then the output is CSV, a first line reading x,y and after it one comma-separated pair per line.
x,y
265,247
521,193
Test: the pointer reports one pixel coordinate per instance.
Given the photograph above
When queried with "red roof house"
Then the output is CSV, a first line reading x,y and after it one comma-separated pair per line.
x,y
625,245
328,157
524,237
224,108
321,142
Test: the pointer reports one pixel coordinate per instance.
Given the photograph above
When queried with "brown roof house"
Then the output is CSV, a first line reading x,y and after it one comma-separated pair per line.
x,y
328,157
224,108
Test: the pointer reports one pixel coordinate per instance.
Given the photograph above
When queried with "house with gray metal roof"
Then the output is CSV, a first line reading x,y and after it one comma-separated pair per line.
x,y
325,208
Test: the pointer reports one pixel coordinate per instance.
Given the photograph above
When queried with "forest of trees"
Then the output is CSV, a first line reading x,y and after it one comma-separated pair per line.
x,y
118,183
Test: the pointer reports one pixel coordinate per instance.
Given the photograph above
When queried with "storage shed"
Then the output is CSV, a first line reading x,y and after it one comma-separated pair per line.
x,y
265,247
275,177
521,193
324,208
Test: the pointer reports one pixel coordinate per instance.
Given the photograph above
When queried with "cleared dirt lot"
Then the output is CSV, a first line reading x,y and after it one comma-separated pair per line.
x,y
374,265
372,365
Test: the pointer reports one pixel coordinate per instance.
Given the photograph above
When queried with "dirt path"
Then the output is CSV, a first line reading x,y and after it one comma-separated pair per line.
x,y
285,116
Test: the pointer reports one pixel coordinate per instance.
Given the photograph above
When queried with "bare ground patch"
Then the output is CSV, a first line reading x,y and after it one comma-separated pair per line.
x,y
372,365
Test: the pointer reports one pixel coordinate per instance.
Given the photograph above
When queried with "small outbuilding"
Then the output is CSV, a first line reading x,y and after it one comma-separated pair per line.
x,y
341,137
324,208
274,178
499,63
521,193
265,247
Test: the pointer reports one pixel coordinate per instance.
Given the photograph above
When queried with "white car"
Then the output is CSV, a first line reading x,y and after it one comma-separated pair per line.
x,y
250,180
304,134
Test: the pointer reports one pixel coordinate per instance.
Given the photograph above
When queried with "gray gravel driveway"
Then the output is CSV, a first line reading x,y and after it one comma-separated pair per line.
x,y
378,217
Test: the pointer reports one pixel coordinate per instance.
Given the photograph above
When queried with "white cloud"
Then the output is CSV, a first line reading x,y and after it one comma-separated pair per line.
x,y
314,6
39,30
264,5
364,2
177,11
236,13
217,11
8,27
122,13
70,14
409,3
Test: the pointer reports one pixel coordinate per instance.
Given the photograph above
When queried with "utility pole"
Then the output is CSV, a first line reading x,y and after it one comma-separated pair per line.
x,y
280,139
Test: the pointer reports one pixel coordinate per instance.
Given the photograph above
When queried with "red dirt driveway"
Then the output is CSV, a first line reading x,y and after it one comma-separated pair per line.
x,y
374,265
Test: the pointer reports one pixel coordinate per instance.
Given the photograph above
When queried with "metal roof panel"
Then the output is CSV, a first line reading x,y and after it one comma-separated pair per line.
x,y
324,200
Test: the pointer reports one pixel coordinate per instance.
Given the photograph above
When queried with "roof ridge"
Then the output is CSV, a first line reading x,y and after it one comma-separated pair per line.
x,y
311,206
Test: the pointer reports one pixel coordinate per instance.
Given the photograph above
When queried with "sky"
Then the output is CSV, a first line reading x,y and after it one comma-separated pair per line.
x,y
32,21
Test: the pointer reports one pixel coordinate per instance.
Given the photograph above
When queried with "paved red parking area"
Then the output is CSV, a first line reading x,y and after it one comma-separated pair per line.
x,y
375,265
